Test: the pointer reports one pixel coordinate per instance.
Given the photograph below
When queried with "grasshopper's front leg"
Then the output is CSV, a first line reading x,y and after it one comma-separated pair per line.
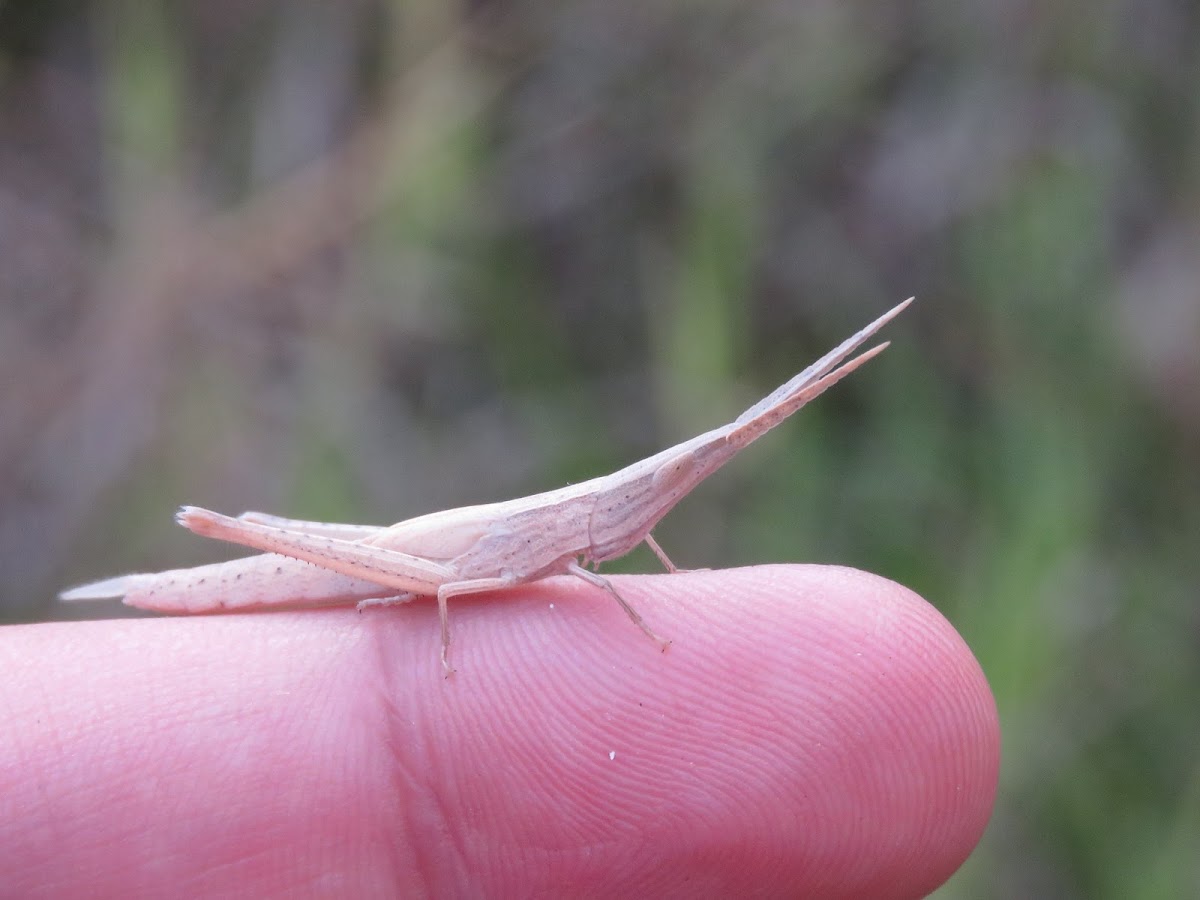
x,y
662,557
604,584
660,553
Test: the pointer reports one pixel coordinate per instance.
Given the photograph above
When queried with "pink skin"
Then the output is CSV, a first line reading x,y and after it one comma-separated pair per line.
x,y
812,731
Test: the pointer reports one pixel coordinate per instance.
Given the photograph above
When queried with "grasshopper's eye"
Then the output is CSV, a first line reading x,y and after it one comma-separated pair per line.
x,y
674,472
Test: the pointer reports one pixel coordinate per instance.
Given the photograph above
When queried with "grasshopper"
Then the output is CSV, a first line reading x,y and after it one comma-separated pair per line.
x,y
472,549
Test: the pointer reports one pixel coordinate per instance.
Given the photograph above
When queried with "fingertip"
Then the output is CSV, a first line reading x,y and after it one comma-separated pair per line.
x,y
826,728
813,730
879,696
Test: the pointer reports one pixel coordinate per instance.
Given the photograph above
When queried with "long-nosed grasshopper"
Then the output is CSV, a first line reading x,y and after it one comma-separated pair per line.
x,y
475,548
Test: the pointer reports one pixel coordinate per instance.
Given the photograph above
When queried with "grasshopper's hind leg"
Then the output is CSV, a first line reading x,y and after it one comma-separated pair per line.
x,y
390,568
394,600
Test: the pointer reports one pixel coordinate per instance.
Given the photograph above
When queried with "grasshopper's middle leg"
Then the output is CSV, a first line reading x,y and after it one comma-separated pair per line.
x,y
457,589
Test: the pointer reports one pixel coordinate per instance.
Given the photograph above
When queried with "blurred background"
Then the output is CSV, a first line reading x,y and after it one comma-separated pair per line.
x,y
366,260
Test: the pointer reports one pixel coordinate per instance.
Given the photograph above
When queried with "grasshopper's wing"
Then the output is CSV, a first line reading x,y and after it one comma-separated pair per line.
x,y
321,529
265,581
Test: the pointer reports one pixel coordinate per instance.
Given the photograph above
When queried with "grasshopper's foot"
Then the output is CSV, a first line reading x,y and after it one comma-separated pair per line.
x,y
394,600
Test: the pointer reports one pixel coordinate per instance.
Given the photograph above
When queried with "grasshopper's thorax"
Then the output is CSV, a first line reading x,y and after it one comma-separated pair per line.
x,y
632,501
528,538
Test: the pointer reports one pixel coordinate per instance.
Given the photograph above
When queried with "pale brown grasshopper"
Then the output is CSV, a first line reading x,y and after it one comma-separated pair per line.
x,y
474,548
